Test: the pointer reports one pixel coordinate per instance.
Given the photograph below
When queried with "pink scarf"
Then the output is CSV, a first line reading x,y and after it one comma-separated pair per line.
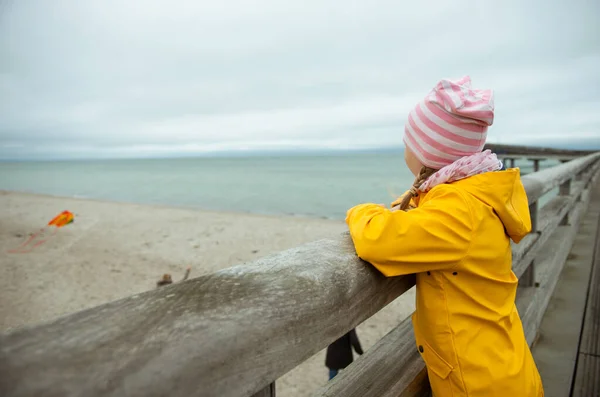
x,y
462,168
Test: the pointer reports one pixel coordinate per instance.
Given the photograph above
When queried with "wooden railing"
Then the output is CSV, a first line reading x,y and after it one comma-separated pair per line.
x,y
235,332
502,150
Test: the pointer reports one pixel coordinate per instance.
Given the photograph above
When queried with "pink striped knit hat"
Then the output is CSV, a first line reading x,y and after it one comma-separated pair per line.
x,y
450,123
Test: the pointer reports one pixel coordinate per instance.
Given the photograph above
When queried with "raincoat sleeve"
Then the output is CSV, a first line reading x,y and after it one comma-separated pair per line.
x,y
434,236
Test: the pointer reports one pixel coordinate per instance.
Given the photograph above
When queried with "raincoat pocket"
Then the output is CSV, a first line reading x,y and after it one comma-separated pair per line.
x,y
438,370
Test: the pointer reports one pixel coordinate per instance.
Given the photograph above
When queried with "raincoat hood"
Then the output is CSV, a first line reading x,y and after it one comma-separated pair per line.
x,y
504,192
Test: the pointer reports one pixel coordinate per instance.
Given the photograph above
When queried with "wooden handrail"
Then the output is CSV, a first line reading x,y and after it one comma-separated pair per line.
x,y
508,150
538,184
230,333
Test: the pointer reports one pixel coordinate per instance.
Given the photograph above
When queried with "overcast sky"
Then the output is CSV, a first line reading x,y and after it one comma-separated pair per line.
x,y
122,78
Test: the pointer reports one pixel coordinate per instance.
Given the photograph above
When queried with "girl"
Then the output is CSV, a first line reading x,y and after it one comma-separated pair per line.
x,y
453,229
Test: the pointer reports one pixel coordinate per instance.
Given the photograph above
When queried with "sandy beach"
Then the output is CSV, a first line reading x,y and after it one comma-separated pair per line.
x,y
113,250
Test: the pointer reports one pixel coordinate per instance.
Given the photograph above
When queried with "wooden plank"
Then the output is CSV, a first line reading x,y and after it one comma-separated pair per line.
x,y
528,276
565,190
587,380
549,266
225,334
555,352
587,373
534,151
550,217
539,183
589,177
590,343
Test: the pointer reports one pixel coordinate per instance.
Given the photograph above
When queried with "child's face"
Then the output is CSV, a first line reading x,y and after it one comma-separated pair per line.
x,y
412,162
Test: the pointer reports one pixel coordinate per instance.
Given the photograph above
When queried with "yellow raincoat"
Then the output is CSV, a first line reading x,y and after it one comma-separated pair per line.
x,y
457,241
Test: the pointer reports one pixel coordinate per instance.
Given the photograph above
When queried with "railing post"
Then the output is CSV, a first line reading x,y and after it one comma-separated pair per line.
x,y
509,162
536,164
528,278
565,190
268,391
589,175
580,177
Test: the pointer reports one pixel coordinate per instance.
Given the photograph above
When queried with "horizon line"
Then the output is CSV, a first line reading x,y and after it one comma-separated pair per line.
x,y
242,153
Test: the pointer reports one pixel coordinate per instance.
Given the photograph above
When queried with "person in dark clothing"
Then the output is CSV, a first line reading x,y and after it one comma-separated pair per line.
x,y
339,353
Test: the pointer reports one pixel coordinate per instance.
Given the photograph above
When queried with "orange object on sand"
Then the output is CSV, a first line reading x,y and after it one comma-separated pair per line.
x,y
43,235
62,219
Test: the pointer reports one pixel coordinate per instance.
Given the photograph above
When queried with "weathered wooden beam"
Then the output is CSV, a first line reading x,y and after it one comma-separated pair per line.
x,y
587,374
550,217
528,277
549,269
552,265
539,183
544,224
557,346
534,150
225,334
565,190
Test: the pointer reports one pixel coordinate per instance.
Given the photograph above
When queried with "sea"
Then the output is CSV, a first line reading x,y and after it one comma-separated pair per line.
x,y
305,185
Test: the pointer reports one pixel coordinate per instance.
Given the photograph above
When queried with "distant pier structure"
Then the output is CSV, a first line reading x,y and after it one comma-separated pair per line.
x,y
509,154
